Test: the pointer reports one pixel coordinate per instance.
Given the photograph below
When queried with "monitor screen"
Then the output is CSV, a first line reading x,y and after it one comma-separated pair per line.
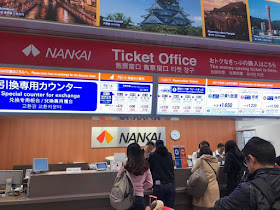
x,y
217,97
15,175
101,166
74,92
40,164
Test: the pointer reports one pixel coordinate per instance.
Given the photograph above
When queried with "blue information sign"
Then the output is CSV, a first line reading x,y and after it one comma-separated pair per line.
x,y
187,90
106,97
47,95
134,88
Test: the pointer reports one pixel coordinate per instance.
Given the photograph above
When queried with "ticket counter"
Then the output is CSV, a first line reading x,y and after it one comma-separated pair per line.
x,y
86,190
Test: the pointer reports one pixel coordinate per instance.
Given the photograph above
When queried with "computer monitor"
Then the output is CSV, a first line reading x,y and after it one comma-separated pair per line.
x,y
40,165
15,175
101,166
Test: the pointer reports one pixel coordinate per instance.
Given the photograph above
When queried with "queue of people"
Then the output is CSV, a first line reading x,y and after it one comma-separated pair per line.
x,y
261,190
253,179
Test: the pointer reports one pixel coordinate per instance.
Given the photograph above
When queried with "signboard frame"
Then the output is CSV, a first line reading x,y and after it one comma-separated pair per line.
x,y
69,71
213,116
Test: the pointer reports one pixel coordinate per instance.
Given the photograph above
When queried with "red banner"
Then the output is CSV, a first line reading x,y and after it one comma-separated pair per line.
x,y
89,54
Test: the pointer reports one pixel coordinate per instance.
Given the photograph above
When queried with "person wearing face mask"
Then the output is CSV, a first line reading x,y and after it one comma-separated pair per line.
x,y
261,191
220,153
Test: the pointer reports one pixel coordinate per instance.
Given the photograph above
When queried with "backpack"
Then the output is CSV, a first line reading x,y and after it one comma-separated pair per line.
x,y
122,194
268,193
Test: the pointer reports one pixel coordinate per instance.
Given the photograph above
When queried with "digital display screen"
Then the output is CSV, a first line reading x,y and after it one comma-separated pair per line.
x,y
214,97
126,94
181,96
48,91
40,164
101,165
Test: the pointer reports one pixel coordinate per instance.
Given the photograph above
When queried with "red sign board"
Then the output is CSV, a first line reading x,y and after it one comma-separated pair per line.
x,y
36,50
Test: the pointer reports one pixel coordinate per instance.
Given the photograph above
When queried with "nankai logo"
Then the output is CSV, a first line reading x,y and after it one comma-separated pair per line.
x,y
31,49
57,53
105,135
68,54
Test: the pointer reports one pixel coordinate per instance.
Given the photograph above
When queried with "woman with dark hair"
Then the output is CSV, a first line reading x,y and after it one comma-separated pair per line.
x,y
211,167
234,159
139,171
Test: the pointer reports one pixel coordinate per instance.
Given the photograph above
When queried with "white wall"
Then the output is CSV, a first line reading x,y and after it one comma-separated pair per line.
x,y
268,129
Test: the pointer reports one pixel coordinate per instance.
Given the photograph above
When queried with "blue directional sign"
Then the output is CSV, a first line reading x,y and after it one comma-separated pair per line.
x,y
39,94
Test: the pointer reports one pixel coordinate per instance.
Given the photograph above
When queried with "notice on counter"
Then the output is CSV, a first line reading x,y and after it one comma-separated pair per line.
x,y
181,96
180,157
126,94
47,91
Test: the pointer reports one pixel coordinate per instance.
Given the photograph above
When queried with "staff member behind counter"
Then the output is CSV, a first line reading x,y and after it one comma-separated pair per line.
x,y
196,155
220,153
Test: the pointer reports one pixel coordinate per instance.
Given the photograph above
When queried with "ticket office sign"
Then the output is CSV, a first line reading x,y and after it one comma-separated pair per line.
x,y
126,94
181,96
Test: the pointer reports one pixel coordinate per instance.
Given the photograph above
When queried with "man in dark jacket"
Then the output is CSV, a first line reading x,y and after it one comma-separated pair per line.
x,y
162,169
260,158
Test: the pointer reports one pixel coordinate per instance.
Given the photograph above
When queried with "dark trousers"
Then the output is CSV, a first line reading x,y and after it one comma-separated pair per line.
x,y
166,193
139,204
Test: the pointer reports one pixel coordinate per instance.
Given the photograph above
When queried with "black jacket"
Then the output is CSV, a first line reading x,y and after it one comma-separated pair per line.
x,y
247,196
232,168
161,165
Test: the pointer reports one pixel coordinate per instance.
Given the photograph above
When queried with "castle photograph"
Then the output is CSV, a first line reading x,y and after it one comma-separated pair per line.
x,y
161,16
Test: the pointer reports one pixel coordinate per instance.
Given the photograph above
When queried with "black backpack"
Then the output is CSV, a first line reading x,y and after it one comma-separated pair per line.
x,y
268,193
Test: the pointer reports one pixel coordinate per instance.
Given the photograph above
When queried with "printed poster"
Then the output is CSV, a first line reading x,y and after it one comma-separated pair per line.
x,y
226,19
160,16
180,157
63,11
265,20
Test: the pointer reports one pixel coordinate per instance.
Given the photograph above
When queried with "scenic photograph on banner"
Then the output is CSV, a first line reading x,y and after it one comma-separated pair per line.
x,y
226,19
265,20
160,16
64,11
